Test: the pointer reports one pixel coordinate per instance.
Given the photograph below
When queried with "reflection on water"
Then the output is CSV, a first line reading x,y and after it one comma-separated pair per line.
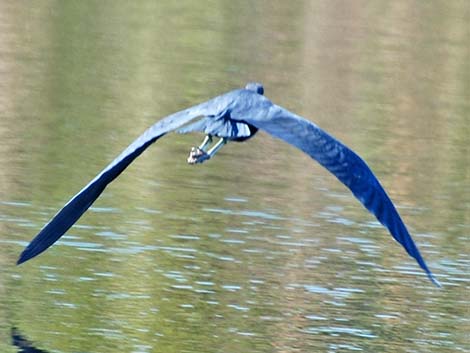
x,y
22,343
259,250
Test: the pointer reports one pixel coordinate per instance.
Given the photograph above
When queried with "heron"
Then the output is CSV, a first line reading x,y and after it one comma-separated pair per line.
x,y
236,116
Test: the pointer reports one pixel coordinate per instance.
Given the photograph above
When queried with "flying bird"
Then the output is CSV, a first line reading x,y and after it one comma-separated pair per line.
x,y
237,116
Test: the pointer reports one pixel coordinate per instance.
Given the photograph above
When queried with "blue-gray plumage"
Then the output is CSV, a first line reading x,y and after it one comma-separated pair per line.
x,y
237,116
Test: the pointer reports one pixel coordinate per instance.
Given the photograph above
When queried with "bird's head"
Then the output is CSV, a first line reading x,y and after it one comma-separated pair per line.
x,y
255,87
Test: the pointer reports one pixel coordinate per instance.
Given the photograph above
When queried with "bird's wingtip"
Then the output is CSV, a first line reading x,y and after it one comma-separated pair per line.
x,y
23,258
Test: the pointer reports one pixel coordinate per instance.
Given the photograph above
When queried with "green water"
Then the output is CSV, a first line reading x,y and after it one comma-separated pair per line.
x,y
260,249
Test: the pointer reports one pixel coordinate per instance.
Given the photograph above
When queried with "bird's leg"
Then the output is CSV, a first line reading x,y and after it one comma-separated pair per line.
x,y
205,143
221,143
199,154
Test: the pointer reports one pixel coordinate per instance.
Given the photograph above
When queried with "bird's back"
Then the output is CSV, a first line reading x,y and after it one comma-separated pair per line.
x,y
221,123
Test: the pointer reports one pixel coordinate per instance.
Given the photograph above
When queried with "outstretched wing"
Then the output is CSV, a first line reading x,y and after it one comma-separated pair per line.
x,y
342,162
73,210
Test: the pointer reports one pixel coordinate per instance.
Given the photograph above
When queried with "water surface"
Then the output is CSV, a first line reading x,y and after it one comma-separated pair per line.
x,y
260,249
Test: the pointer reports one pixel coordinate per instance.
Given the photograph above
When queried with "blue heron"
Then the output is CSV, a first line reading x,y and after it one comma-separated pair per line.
x,y
237,116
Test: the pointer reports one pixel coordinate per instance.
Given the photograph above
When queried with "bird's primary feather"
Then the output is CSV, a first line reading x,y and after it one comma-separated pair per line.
x,y
345,165
78,204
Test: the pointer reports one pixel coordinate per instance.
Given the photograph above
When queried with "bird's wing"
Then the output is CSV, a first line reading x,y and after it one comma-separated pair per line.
x,y
73,210
342,162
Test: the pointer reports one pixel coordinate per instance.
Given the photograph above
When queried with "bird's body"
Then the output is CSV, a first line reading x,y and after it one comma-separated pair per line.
x,y
223,124
237,116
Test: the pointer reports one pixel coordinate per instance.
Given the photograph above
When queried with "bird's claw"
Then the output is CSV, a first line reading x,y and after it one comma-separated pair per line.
x,y
197,155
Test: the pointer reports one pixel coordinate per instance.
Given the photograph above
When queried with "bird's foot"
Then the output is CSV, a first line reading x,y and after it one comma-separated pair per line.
x,y
197,155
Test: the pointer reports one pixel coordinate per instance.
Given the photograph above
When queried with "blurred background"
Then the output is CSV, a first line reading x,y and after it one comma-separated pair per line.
x,y
260,249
